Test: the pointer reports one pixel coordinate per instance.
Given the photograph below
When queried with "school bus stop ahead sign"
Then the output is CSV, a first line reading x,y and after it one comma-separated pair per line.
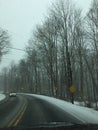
x,y
72,89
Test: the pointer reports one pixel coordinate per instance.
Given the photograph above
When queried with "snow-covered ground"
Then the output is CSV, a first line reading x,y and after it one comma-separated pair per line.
x,y
93,105
2,96
84,114
79,103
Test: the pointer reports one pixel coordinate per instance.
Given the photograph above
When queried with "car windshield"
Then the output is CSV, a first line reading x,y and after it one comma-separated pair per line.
x,y
49,64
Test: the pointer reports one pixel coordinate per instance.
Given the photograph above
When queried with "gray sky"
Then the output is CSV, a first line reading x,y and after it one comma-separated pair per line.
x,y
20,17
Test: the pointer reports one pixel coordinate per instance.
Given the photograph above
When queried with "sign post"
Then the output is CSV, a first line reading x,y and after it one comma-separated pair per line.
x,y
72,90
56,89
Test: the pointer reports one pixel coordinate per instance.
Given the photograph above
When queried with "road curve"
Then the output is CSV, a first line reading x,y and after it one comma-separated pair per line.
x,y
39,111
27,110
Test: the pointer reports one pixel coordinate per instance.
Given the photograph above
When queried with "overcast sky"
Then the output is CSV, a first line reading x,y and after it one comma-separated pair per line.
x,y
20,17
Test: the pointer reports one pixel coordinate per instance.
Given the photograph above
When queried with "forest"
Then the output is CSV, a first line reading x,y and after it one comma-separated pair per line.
x,y
61,52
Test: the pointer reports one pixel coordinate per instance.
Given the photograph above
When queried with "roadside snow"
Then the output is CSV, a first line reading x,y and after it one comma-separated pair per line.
x,y
2,96
86,115
83,104
79,103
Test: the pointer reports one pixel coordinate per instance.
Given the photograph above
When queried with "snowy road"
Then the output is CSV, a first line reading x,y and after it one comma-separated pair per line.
x,y
2,97
84,114
40,111
25,110
43,109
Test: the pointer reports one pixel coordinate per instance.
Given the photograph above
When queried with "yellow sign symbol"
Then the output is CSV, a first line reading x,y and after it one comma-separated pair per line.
x,y
56,88
72,89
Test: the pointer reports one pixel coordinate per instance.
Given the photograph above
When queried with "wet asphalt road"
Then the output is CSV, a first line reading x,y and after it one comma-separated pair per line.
x,y
37,111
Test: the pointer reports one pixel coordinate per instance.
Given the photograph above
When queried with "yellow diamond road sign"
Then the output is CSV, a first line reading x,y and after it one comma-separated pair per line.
x,y
72,89
56,88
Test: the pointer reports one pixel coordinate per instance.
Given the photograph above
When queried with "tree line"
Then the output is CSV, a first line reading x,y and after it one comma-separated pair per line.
x,y
62,52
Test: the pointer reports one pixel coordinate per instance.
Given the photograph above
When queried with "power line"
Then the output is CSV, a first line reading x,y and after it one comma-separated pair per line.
x,y
16,49
19,49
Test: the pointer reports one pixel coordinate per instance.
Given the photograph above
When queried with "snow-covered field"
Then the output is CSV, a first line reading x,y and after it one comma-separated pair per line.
x,y
2,96
84,114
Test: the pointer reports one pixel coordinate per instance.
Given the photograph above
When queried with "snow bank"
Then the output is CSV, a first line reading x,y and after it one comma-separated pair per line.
x,y
83,104
2,96
86,115
79,103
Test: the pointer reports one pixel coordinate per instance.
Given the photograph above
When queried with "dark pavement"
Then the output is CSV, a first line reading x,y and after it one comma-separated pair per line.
x,y
37,111
9,110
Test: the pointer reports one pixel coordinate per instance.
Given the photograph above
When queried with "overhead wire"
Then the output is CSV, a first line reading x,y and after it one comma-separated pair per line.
x,y
19,49
14,48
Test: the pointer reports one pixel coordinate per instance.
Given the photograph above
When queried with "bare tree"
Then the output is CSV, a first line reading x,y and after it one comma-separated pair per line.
x,y
92,31
47,44
4,42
